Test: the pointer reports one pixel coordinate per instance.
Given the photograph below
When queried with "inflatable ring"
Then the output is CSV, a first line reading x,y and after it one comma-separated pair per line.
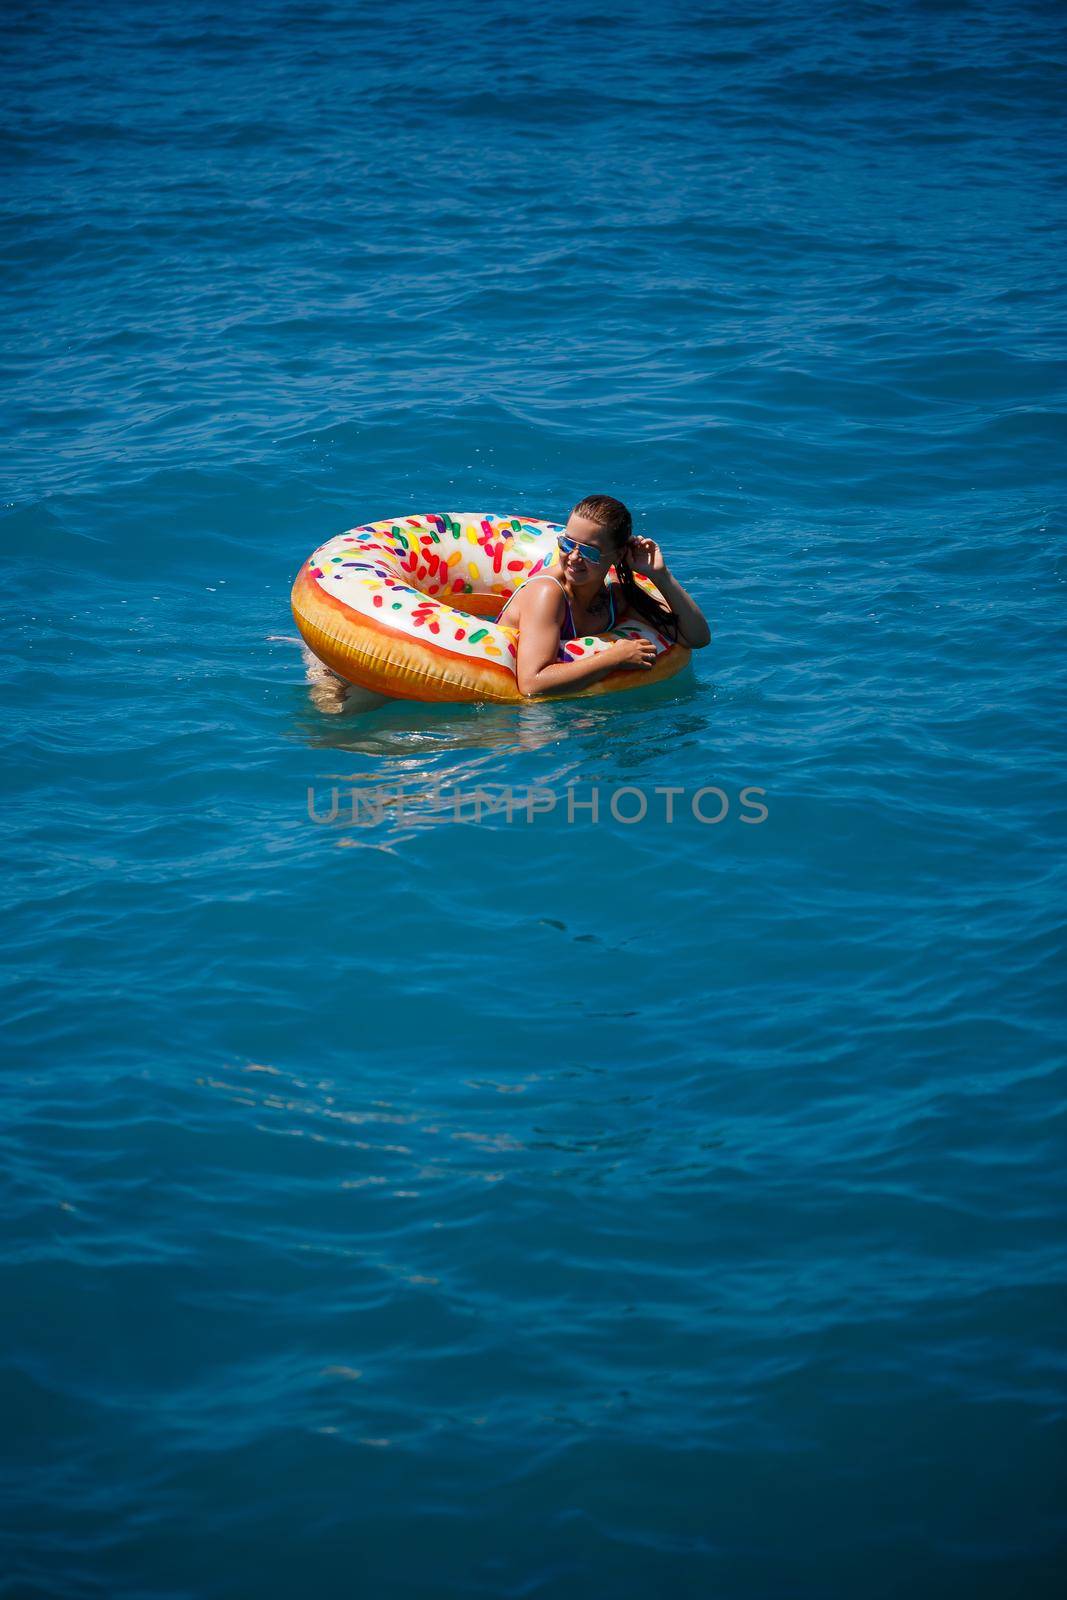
x,y
406,608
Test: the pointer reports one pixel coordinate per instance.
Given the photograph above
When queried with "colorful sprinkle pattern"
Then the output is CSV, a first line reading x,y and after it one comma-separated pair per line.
x,y
412,573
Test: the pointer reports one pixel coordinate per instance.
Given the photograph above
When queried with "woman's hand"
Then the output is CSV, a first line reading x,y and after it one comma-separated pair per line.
x,y
646,557
633,654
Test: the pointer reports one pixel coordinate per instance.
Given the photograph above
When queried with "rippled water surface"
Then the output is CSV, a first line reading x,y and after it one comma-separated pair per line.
x,y
426,1203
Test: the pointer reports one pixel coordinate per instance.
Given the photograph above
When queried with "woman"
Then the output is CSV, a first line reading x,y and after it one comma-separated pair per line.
x,y
549,609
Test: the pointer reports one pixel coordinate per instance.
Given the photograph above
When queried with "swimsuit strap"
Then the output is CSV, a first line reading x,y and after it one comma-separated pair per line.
x,y
566,599
611,587
522,585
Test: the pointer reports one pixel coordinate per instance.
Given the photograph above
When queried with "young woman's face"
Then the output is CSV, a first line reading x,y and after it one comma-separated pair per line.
x,y
576,565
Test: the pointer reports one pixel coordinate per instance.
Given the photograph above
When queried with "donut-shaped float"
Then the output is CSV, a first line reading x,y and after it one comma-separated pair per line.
x,y
406,608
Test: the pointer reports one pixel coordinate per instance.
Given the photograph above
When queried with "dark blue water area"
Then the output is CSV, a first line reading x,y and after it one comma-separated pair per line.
x,y
484,1200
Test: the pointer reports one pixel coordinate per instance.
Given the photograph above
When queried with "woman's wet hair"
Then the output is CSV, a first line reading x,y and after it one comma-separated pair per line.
x,y
615,519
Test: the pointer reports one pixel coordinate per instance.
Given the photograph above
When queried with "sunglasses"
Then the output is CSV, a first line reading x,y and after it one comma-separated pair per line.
x,y
588,552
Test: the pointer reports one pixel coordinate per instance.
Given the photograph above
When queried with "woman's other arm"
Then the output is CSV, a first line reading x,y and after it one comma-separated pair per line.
x,y
693,630
647,558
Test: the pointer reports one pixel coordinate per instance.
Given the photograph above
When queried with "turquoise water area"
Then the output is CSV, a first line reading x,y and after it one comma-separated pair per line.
x,y
430,1205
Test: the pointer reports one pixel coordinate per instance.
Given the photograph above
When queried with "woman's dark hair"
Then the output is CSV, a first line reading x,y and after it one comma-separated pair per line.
x,y
618,524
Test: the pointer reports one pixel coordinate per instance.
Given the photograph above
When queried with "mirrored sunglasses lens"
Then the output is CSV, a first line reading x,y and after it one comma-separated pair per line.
x,y
588,552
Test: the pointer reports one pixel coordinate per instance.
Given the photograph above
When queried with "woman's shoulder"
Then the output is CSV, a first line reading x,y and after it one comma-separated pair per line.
x,y
545,583
517,605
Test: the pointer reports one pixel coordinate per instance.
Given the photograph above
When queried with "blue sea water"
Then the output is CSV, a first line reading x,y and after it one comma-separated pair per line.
x,y
430,1203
